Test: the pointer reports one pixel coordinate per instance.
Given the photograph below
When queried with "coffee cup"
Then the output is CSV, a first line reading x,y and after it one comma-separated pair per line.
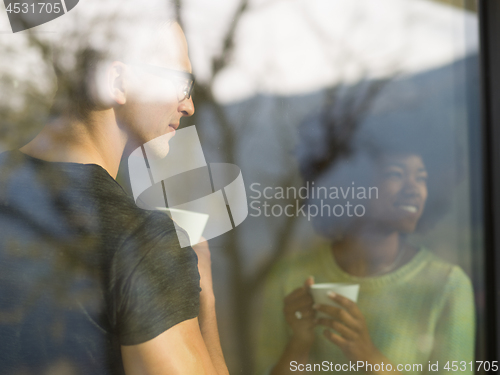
x,y
320,294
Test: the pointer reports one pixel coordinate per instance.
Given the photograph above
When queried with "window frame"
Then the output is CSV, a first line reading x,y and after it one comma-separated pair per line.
x,y
489,31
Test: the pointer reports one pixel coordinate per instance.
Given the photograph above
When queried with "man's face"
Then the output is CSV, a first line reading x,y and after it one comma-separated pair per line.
x,y
153,106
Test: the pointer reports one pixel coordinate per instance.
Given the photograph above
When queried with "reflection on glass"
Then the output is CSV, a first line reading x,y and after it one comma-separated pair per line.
x,y
412,309
391,169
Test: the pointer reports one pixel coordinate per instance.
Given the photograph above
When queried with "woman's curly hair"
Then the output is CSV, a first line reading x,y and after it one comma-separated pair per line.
x,y
353,162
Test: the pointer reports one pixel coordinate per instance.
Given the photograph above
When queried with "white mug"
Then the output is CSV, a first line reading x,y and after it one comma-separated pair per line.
x,y
320,294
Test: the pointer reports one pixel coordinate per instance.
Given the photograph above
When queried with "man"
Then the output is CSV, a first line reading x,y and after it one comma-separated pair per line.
x,y
89,283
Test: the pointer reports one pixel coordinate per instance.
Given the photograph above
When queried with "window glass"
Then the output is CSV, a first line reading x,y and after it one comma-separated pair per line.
x,y
335,148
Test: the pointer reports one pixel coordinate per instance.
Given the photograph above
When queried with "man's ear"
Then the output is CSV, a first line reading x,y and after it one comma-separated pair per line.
x,y
108,84
116,82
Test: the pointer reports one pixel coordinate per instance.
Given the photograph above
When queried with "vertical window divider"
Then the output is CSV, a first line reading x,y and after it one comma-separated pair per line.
x,y
489,14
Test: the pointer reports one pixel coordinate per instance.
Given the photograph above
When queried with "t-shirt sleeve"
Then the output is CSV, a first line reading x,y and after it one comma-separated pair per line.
x,y
156,283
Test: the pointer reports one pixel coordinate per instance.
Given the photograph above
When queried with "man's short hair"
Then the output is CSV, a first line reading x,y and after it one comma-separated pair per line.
x,y
99,32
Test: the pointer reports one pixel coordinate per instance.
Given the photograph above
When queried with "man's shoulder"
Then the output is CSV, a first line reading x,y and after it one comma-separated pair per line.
x,y
82,196
17,168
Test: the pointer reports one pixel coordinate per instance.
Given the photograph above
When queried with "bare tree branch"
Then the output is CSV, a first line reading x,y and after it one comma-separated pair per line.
x,y
219,62
283,237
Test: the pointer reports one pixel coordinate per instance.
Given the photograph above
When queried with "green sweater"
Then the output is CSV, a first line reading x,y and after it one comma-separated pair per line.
x,y
421,312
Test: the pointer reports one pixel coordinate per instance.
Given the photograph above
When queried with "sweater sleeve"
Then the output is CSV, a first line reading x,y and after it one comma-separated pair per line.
x,y
455,329
273,330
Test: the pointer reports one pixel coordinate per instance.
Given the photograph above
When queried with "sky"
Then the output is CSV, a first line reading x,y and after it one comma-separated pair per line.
x,y
298,46
288,47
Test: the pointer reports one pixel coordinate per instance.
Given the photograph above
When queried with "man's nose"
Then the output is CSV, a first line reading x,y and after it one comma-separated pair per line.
x,y
186,107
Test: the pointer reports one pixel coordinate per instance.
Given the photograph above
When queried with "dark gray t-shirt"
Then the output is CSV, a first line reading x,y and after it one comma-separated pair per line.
x,y
83,270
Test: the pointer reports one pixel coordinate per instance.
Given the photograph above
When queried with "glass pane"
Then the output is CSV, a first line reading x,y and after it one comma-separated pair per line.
x,y
353,126
386,146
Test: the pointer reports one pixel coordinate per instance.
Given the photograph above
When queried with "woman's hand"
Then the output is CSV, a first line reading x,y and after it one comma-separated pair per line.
x,y
299,304
354,339
300,316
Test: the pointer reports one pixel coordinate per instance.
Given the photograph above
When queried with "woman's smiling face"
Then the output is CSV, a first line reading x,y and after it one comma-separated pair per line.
x,y
402,192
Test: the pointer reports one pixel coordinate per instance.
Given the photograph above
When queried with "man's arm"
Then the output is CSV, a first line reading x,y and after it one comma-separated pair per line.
x,y
190,347
207,318
179,350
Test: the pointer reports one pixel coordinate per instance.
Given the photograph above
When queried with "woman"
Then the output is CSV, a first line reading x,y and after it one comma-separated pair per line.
x,y
413,309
